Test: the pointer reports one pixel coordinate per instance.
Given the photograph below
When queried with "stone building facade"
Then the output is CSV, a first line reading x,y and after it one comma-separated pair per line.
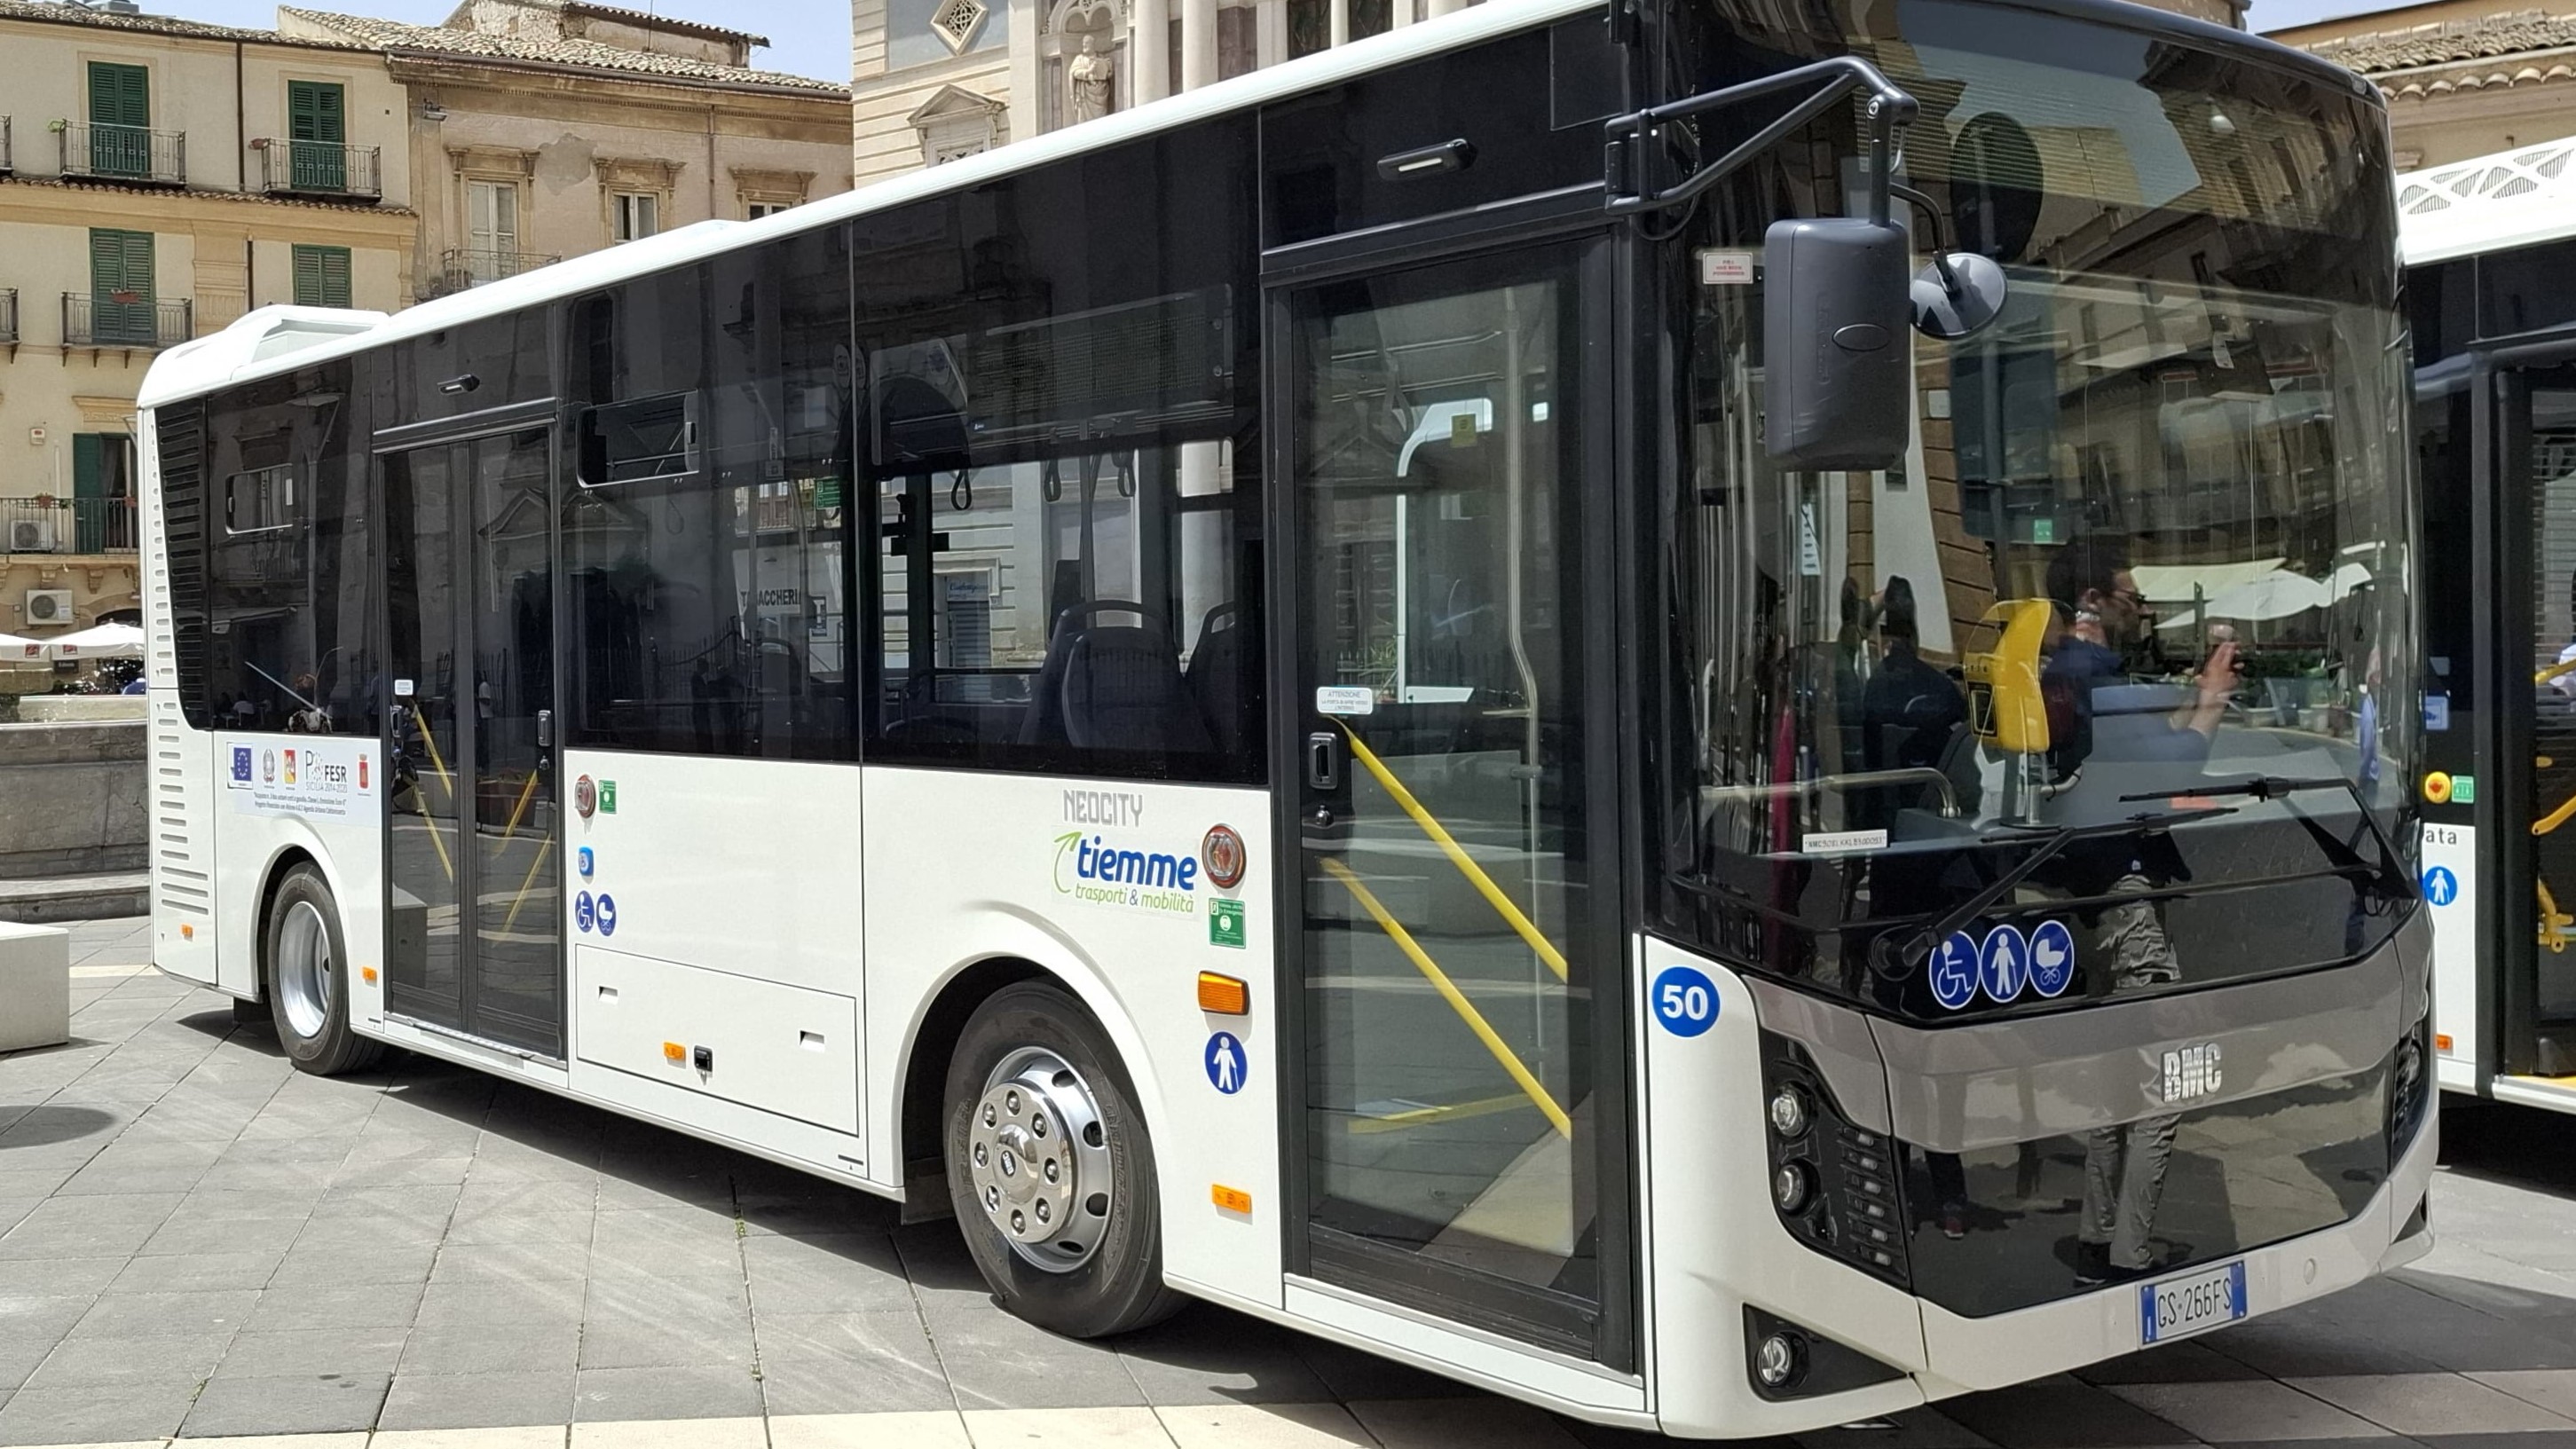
x,y
542,129
158,178
2463,78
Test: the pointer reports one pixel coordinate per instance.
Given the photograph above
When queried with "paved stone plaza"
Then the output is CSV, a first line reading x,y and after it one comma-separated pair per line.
x,y
203,1243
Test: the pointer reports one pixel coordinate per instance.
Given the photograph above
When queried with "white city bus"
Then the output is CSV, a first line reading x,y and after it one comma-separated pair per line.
x,y
1395,694
2494,337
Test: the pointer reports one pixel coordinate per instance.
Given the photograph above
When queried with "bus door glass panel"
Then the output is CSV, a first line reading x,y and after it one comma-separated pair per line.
x,y
2539,505
518,975
424,794
1448,878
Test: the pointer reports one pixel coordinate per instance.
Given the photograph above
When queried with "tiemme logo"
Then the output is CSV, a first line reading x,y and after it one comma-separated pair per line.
x,y
2191,1072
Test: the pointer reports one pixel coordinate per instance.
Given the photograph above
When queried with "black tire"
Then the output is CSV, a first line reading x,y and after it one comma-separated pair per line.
x,y
308,997
1119,1285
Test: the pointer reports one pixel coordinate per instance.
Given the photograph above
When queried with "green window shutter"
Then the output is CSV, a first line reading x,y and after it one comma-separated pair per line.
x,y
86,464
120,284
120,106
316,111
322,276
119,95
316,125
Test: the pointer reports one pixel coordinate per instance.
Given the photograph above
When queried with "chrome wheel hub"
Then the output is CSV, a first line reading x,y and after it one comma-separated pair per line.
x,y
1038,1155
304,982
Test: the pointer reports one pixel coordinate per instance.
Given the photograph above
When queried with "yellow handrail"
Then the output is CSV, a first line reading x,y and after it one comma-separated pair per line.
x,y
1458,1002
1484,884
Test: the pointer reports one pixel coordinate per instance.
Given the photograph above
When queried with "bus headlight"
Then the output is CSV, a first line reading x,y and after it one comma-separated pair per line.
x,y
1837,1186
1790,1114
1776,1362
1793,1186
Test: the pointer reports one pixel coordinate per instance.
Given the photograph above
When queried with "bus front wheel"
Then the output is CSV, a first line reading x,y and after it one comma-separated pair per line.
x,y
308,978
1050,1168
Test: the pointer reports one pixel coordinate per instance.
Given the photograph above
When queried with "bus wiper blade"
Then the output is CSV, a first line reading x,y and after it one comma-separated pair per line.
x,y
2391,872
1919,948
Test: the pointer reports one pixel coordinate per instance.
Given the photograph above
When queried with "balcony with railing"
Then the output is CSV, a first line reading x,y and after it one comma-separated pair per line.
x,y
122,319
67,525
318,168
8,158
8,316
99,151
463,267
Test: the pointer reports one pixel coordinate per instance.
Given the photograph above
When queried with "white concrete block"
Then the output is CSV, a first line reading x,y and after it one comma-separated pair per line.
x,y
35,986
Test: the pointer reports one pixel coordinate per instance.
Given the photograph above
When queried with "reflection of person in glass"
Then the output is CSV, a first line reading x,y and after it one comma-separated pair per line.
x,y
2090,582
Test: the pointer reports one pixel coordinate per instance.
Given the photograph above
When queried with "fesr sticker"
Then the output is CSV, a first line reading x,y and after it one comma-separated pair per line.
x,y
1685,1001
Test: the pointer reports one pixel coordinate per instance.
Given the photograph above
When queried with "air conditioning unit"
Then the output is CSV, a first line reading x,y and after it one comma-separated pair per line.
x,y
31,535
49,606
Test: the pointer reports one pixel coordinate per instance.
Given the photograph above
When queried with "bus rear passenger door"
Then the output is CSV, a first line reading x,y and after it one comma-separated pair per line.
x,y
473,862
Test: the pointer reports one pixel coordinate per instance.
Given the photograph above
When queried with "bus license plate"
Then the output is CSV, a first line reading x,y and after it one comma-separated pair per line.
x,y
2181,1307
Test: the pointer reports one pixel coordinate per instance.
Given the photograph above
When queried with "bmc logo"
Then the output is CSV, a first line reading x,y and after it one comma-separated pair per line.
x,y
2191,1072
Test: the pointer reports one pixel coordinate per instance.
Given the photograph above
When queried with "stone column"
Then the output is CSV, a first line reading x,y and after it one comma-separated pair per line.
x,y
1270,33
1198,43
1149,51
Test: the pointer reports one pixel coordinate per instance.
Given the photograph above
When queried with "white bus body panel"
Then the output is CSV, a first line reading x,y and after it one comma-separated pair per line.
x,y
725,913
1713,1242
2456,948
275,794
1005,882
183,830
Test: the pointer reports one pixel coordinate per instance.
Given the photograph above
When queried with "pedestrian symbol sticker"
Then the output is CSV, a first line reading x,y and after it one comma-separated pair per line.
x,y
1954,971
2003,964
1685,1001
1225,1063
2440,886
1225,923
582,913
607,914
2052,958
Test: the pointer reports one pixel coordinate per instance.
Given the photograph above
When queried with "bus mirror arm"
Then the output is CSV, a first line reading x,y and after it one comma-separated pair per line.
x,y
1624,164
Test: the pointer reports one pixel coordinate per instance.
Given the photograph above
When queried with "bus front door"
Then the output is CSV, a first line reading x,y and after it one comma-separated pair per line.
x,y
473,865
1456,967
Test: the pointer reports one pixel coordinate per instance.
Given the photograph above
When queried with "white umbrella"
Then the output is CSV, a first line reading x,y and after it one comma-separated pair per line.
x,y
14,650
2276,595
102,641
2346,578
2273,596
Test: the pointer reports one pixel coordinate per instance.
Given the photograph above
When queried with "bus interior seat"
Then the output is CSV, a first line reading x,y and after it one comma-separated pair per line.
x,y
1112,686
1215,676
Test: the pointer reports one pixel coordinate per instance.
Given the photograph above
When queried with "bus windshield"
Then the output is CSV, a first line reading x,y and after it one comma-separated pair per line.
x,y
2145,565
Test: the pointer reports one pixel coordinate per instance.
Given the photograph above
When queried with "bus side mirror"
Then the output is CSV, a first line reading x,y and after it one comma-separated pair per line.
x,y
1838,363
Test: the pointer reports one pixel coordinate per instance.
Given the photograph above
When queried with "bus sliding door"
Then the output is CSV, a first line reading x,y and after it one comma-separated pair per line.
x,y
473,866
1457,956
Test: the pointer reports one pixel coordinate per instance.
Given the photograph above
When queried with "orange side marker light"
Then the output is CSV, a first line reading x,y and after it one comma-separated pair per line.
x,y
187,932
1224,995
674,1053
2441,1041
369,973
1232,1199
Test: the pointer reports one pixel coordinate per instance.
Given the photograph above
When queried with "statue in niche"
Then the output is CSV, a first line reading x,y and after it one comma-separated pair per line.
x,y
1092,79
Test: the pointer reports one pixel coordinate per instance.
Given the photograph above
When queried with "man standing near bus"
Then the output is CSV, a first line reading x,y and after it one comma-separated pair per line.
x,y
2118,721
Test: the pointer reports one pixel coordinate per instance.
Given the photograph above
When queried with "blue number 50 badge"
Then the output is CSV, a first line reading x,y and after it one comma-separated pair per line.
x,y
1685,1001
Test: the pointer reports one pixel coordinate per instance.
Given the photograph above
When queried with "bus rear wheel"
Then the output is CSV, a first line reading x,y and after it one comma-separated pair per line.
x,y
308,978
1050,1169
